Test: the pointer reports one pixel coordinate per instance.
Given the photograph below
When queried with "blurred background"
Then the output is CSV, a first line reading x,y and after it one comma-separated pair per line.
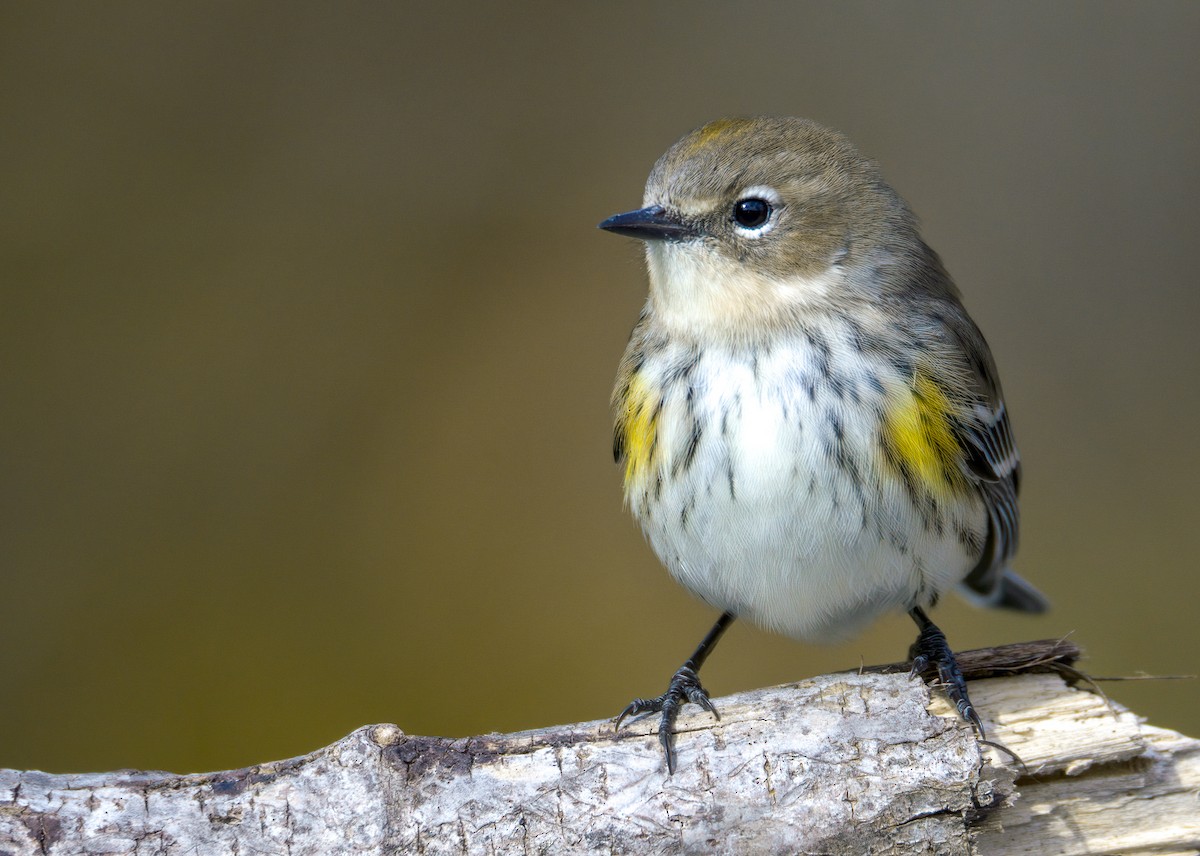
x,y
307,338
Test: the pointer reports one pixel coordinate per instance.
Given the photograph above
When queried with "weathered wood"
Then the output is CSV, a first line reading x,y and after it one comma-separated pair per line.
x,y
855,762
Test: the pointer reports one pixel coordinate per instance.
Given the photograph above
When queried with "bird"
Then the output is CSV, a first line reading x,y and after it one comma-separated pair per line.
x,y
809,426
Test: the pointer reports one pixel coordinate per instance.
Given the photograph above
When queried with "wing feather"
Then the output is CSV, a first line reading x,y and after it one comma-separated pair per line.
x,y
992,462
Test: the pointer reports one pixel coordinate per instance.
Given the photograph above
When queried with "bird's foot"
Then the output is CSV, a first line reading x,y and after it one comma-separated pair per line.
x,y
933,660
684,687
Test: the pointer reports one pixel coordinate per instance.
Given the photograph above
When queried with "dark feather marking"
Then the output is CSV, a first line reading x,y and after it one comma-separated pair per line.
x,y
693,442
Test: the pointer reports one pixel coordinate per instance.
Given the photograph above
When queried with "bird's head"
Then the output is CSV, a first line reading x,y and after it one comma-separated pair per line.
x,y
750,223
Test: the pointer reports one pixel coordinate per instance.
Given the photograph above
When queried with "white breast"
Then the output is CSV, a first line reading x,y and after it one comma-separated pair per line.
x,y
770,497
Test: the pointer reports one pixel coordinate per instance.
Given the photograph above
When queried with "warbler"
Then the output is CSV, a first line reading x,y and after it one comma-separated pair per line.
x,y
810,426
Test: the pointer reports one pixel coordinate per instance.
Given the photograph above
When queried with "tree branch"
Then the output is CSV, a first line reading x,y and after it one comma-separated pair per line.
x,y
853,762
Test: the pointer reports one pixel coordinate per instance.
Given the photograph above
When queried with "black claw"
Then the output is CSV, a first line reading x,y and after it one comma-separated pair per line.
x,y
967,712
699,696
664,740
636,708
684,687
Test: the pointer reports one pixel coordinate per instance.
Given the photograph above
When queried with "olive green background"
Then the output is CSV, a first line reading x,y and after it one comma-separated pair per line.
x,y
307,337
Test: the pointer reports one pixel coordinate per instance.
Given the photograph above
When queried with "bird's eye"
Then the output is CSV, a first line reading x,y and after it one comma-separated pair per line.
x,y
751,213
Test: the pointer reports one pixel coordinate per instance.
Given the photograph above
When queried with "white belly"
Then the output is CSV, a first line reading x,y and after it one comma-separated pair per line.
x,y
770,497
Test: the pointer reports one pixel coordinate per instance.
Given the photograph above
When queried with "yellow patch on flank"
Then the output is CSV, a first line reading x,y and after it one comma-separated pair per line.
x,y
637,428
918,432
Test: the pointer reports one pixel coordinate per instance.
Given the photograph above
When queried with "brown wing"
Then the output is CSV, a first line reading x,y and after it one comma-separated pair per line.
x,y
993,464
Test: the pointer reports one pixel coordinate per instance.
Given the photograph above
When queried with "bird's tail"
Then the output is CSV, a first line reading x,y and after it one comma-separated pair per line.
x,y
1013,592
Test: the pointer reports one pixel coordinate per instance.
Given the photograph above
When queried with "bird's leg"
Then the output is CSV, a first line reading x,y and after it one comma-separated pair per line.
x,y
932,658
684,687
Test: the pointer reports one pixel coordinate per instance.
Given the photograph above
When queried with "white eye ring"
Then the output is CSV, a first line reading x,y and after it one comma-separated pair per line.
x,y
756,211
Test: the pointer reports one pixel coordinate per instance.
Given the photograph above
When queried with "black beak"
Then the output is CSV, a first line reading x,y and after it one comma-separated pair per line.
x,y
650,224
